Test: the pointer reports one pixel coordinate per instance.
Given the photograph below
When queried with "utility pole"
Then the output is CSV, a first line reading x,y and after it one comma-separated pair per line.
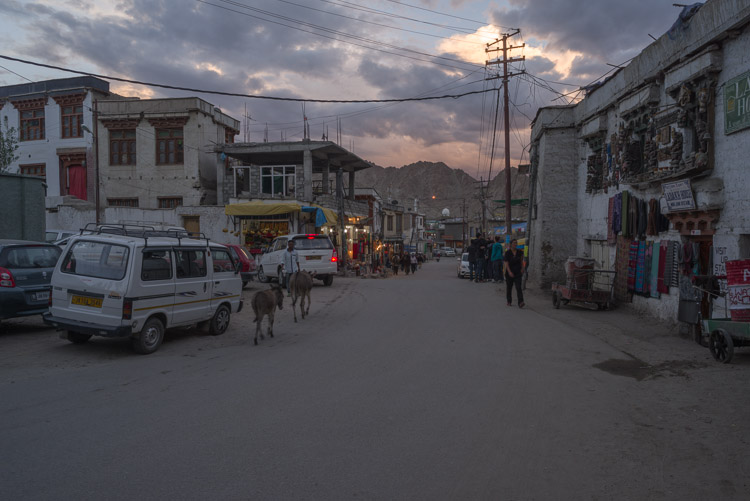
x,y
506,76
340,196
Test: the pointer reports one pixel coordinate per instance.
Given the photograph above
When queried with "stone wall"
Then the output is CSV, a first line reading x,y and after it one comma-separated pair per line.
x,y
22,207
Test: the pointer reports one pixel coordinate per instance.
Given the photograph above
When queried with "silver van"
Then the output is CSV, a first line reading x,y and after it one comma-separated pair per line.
x,y
140,283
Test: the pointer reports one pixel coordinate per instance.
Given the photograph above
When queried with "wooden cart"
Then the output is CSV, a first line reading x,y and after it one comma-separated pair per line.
x,y
588,288
725,335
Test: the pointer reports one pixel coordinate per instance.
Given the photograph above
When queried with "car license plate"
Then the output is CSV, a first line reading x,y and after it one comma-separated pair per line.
x,y
94,302
311,258
41,296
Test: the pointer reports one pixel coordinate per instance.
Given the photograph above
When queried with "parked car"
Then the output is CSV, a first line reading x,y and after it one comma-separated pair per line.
x,y
463,265
246,261
316,254
52,236
448,252
138,284
25,274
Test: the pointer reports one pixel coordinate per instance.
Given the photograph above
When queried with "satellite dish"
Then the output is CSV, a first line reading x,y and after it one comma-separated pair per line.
x,y
446,212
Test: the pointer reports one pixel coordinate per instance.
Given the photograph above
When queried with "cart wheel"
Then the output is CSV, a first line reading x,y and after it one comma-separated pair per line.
x,y
721,346
556,299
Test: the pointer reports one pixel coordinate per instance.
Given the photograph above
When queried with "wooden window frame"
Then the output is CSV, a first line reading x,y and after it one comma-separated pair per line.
x,y
25,130
169,202
171,141
24,169
126,156
122,202
74,126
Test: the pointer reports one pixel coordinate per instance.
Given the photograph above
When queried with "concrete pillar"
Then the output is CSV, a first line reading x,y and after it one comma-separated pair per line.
x,y
325,181
307,166
220,180
351,185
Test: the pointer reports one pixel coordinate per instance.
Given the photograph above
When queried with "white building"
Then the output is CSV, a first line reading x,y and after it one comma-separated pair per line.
x,y
51,119
670,131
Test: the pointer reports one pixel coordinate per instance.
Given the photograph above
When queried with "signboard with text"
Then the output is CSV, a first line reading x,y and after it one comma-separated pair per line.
x,y
679,195
737,103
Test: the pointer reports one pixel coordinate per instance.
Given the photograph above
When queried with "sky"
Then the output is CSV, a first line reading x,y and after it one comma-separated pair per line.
x,y
343,50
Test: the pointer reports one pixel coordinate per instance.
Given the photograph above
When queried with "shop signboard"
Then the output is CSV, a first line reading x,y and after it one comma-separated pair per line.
x,y
737,103
678,195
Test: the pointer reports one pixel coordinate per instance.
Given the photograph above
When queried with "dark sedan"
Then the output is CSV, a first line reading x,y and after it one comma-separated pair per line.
x,y
25,274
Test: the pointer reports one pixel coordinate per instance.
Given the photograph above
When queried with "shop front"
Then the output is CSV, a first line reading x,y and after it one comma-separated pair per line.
x,y
257,223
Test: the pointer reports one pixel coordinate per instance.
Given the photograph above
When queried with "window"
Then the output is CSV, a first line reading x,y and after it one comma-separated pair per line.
x,y
169,202
280,244
32,124
157,265
122,147
96,259
34,256
223,262
190,263
122,202
313,242
72,119
399,223
169,146
389,223
278,181
39,170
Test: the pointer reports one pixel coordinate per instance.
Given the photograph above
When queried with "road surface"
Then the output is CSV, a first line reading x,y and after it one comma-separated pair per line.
x,y
414,387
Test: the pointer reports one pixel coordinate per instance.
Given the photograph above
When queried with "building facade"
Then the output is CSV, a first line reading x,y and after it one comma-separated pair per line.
x,y
650,165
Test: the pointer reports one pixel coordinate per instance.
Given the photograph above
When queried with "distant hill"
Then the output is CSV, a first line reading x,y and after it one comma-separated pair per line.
x,y
423,180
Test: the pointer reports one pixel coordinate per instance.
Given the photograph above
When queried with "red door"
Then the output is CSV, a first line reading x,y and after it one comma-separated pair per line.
x,y
77,181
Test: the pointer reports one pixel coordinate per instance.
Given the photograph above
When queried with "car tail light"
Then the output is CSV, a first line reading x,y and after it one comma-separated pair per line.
x,y
127,309
334,256
6,278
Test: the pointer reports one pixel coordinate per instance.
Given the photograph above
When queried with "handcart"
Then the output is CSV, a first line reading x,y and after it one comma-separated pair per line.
x,y
726,335
585,287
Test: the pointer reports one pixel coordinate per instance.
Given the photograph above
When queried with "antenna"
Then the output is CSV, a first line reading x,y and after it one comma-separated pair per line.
x,y
265,133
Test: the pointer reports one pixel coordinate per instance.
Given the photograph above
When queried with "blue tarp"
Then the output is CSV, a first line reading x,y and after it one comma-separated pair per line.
x,y
320,217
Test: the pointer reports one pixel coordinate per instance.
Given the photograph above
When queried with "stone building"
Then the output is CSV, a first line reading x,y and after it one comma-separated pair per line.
x,y
651,163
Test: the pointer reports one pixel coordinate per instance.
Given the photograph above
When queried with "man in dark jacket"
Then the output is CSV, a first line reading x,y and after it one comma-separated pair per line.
x,y
472,250
481,250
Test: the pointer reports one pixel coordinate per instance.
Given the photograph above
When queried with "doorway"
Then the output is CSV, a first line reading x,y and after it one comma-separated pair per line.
x,y
192,224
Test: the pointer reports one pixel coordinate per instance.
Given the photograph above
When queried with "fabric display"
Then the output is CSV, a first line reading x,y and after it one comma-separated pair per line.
x,y
665,260
632,265
640,267
611,238
634,218
654,270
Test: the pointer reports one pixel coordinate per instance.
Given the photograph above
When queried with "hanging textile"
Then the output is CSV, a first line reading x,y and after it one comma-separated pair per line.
x,y
655,267
665,267
640,267
633,217
610,222
624,214
647,268
632,265
696,259
674,280
621,267
653,217
642,218
617,215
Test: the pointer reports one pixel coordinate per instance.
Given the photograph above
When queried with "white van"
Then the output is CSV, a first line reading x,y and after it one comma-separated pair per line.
x,y
316,254
138,284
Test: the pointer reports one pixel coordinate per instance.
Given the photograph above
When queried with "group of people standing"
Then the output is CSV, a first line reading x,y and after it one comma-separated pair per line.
x,y
405,261
488,262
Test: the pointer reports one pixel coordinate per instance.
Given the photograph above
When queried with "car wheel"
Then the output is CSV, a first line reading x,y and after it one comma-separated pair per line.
x,y
262,278
150,337
328,280
220,322
78,337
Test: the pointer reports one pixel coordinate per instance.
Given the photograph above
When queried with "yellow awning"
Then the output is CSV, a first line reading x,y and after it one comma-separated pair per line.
x,y
258,208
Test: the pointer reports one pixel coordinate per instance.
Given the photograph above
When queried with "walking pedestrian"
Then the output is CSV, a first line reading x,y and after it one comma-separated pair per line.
x,y
406,262
472,250
496,260
291,265
395,263
514,268
481,244
414,262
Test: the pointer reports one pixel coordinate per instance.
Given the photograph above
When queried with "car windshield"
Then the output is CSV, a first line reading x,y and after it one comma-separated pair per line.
x,y
312,242
31,256
465,256
96,259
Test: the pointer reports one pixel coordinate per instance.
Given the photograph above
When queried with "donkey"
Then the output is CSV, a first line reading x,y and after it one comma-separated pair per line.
x,y
300,283
265,303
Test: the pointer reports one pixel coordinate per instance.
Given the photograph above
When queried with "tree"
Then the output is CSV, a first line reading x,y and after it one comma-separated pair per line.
x,y
8,145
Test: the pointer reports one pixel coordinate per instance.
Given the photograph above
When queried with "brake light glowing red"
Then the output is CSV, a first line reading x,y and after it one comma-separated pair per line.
x,y
6,278
310,237
127,309
334,256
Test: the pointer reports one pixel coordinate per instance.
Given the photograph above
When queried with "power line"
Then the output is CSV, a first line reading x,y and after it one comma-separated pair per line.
x,y
377,24
238,94
335,32
16,74
442,13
